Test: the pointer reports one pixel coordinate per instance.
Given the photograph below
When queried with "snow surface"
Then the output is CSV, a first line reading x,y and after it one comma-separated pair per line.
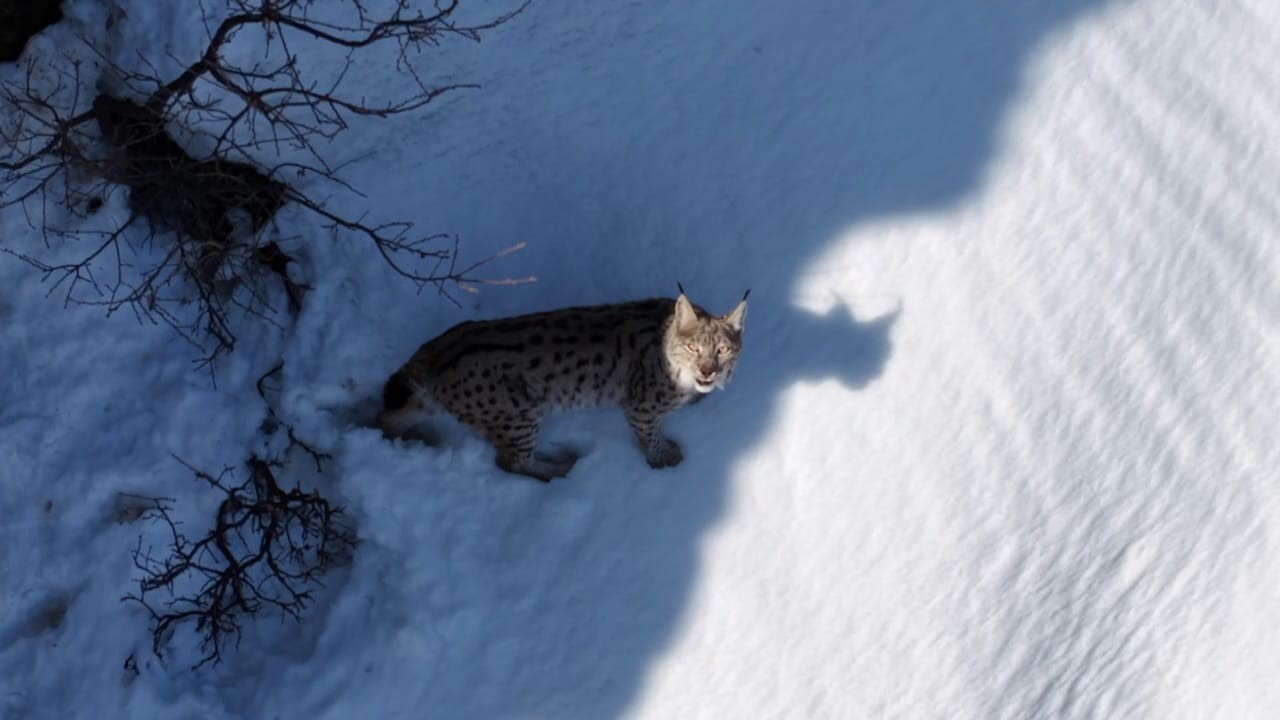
x,y
1002,443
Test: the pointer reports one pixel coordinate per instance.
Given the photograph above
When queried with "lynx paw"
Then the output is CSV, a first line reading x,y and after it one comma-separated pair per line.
x,y
541,467
559,454
664,453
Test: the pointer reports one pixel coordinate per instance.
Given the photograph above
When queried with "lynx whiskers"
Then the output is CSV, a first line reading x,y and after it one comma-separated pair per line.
x,y
501,376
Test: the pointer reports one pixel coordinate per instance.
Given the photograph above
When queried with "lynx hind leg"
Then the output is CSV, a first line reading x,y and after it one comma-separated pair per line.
x,y
560,454
408,425
404,406
514,439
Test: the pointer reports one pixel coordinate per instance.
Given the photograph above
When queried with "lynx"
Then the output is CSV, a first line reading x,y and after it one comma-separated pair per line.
x,y
501,376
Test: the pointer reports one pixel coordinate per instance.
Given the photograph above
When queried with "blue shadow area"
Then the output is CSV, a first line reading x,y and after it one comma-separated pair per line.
x,y
724,145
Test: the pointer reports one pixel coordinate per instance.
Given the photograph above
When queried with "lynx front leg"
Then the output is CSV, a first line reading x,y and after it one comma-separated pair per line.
x,y
658,449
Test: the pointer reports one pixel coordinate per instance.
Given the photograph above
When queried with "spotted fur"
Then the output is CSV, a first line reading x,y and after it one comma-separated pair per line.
x,y
649,357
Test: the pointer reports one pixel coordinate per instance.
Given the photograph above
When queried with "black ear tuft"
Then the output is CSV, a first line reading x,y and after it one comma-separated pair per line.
x,y
745,294
681,287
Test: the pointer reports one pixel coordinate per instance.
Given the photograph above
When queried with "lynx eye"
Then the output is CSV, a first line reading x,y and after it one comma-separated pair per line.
x,y
724,349
691,347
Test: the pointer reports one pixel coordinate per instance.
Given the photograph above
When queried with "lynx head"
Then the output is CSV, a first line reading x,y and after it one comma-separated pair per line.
x,y
701,348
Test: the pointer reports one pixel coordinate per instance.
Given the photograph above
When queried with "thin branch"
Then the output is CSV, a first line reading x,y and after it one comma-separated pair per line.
x,y
208,193
268,548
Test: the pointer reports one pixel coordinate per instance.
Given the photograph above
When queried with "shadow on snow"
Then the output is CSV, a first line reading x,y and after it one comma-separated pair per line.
x,y
653,145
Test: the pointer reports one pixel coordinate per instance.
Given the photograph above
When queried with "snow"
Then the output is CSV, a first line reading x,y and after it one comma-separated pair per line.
x,y
1000,444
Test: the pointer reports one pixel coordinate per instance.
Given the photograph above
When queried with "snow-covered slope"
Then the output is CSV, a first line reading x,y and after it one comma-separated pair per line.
x,y
1001,444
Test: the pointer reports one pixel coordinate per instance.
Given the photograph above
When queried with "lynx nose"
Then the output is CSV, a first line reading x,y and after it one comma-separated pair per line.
x,y
706,369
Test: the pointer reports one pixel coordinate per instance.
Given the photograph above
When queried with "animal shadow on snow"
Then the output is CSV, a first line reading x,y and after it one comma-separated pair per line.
x,y
836,114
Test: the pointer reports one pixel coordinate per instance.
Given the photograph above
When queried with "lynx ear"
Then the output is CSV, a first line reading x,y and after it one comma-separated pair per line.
x,y
686,320
739,314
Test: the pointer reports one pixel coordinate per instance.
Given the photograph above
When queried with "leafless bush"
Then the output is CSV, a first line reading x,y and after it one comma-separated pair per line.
x,y
210,155
267,550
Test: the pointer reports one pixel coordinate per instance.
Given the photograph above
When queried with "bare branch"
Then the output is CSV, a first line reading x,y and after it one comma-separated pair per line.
x,y
205,156
267,550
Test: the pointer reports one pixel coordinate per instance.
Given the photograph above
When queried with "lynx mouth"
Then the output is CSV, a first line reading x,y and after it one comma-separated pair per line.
x,y
704,386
